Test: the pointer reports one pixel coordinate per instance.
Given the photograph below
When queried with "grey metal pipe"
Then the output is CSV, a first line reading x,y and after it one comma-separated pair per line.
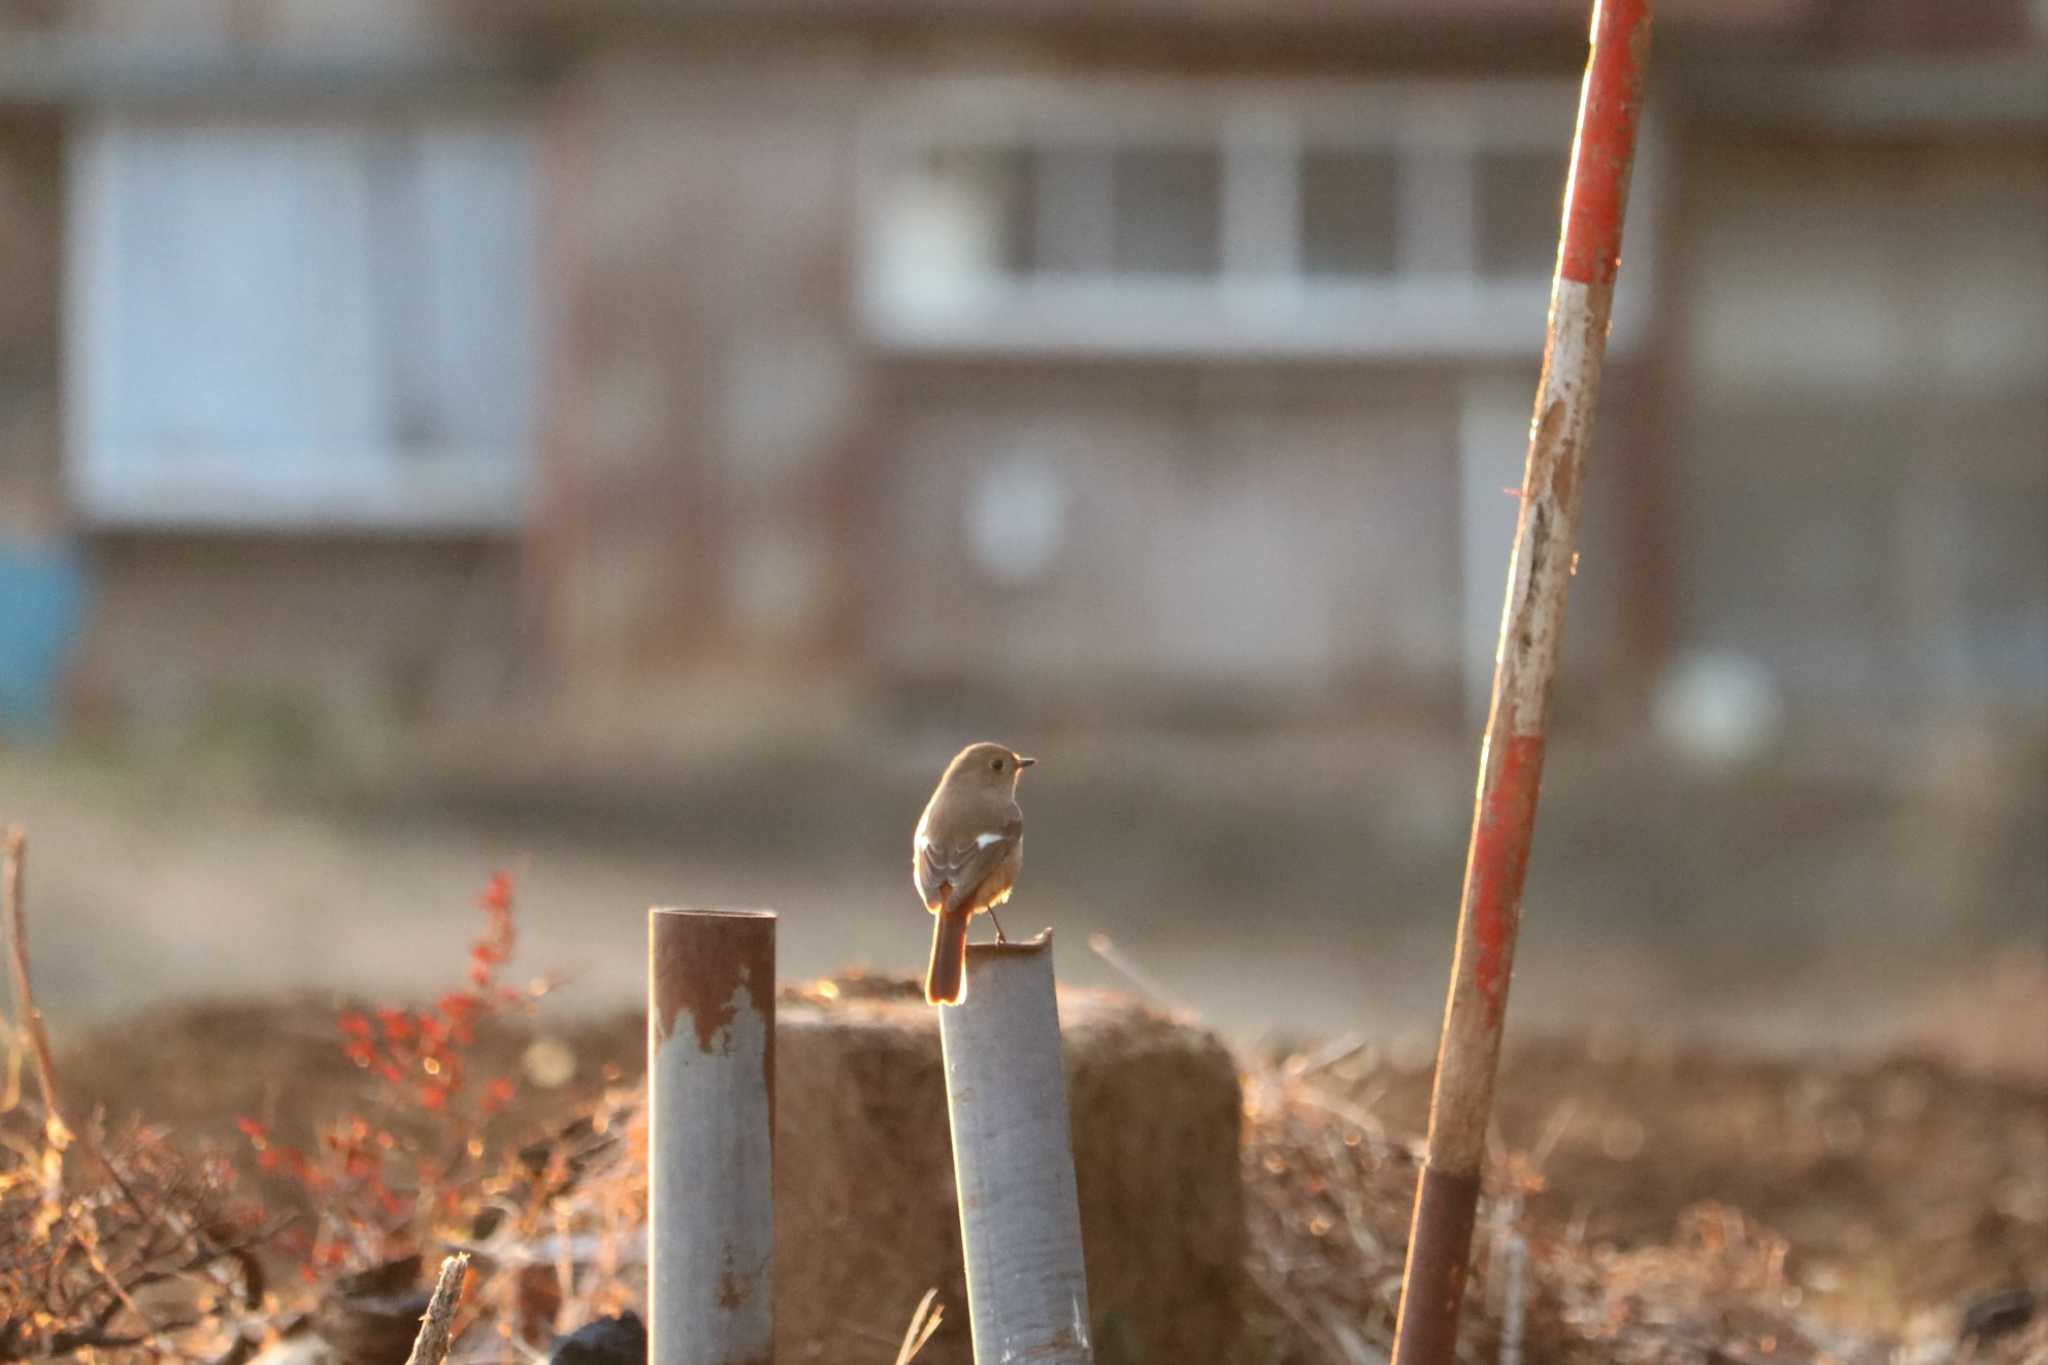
x,y
711,1137
1013,1164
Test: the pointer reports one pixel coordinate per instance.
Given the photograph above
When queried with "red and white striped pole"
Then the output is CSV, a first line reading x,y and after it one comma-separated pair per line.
x,y
1511,762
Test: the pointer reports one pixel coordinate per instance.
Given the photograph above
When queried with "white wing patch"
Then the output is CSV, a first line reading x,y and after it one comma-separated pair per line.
x,y
984,840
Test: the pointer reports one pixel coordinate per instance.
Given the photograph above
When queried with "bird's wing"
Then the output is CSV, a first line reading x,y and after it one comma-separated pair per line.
x,y
950,869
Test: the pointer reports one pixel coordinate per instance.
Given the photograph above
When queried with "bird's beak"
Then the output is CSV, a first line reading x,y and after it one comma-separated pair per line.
x,y
1024,762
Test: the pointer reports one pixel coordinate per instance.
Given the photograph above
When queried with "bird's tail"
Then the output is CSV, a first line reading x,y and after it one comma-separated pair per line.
x,y
945,981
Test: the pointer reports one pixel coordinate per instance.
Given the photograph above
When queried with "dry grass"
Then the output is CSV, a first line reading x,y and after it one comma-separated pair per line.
x,y
1907,1191
112,1241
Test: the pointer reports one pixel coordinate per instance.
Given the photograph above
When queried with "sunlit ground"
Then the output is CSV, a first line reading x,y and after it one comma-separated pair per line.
x,y
1285,885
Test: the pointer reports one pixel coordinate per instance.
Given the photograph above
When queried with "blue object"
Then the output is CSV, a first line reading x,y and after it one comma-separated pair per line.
x,y
43,596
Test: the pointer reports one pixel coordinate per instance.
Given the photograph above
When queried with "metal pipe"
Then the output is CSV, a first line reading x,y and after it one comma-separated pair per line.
x,y
1013,1164
711,1137
1532,621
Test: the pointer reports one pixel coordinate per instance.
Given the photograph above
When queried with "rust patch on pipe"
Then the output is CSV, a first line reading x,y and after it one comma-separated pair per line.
x,y
701,961
734,1289
1061,1343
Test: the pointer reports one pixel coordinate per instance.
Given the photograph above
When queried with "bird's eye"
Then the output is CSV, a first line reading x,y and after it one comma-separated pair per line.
x,y
997,765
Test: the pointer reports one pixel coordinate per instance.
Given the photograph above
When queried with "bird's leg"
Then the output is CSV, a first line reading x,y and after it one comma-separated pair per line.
x,y
1001,937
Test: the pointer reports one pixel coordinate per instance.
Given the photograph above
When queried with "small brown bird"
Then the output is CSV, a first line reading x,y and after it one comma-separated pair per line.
x,y
964,860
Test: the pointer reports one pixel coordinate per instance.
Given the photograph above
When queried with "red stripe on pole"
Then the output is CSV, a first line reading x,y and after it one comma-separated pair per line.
x,y
1609,109
1500,861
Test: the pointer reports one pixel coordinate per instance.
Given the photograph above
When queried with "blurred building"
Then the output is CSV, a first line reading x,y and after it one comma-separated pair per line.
x,y
416,353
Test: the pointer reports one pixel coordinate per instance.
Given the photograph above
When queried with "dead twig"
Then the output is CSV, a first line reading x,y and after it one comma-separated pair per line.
x,y
57,1127
436,1326
29,1019
1149,985
923,1323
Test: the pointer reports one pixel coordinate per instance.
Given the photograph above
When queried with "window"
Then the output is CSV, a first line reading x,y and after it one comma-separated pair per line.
x,y
1348,223
300,321
1166,206
1399,220
1521,195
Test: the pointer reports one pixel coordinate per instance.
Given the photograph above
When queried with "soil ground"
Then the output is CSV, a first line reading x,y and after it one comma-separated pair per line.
x,y
1275,883
1809,993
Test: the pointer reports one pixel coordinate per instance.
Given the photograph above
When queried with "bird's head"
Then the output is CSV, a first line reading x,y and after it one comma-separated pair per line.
x,y
991,766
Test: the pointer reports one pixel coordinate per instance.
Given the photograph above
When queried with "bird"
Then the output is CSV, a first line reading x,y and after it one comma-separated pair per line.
x,y
965,855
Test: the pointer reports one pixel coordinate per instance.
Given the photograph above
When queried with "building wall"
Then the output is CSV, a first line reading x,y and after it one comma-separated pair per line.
x,y
31,252
1863,440
252,22
41,597
706,403
1278,531
1282,533
738,476
346,642
170,631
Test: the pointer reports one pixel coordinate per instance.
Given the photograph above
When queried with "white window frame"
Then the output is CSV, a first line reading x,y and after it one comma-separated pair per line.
x,y
1260,302
117,484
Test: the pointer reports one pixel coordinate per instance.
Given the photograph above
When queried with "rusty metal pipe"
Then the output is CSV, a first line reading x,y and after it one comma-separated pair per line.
x,y
711,1137
1532,622
1013,1164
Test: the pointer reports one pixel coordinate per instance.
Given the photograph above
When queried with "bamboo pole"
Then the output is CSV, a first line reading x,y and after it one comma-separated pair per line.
x,y
1532,620
711,1136
1013,1164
